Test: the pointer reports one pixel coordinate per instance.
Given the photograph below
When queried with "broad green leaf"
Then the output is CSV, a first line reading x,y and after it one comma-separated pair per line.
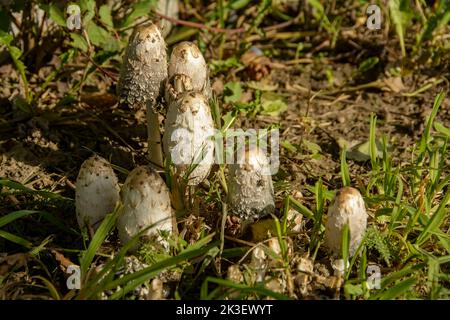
x,y
140,9
79,42
56,15
105,16
233,92
272,104
101,38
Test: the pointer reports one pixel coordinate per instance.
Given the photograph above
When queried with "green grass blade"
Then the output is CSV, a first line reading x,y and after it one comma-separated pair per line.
x,y
397,290
345,175
10,217
16,239
107,225
426,135
435,221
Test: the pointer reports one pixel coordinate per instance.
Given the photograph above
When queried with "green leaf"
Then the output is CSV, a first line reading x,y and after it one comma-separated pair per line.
x,y
368,64
141,8
400,14
101,38
272,104
426,135
10,217
56,15
88,10
15,239
42,193
288,146
435,221
345,175
397,290
100,235
439,127
233,92
345,245
131,281
5,38
105,16
79,42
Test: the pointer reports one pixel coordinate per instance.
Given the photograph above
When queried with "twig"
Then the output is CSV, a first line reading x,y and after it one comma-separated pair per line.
x,y
199,25
110,75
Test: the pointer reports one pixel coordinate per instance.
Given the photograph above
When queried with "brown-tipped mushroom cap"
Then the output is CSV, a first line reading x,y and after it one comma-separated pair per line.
x,y
250,188
144,68
97,191
347,208
146,202
187,59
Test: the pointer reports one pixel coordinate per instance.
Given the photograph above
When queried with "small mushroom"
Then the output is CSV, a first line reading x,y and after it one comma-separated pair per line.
x,y
250,188
187,137
187,59
97,192
146,204
347,208
142,78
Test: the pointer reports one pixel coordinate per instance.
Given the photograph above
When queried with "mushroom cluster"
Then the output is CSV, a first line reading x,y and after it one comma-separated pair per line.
x,y
181,88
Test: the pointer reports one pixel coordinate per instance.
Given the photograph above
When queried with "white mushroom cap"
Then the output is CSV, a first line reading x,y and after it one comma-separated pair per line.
x,y
97,191
250,188
187,137
187,59
144,68
347,208
146,202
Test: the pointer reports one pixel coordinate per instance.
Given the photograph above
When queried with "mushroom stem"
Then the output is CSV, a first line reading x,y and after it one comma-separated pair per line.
x,y
154,137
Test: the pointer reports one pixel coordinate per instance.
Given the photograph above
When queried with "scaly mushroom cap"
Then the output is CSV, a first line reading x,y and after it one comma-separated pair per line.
x,y
146,202
187,137
144,68
250,189
187,59
347,208
97,191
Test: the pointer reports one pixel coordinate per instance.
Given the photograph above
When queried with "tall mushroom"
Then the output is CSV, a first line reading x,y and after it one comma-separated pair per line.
x,y
146,204
142,78
347,208
250,188
97,192
187,141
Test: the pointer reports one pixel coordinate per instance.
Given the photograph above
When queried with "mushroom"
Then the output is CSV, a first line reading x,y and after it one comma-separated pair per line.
x,y
187,59
250,189
142,78
187,136
347,208
97,192
146,204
